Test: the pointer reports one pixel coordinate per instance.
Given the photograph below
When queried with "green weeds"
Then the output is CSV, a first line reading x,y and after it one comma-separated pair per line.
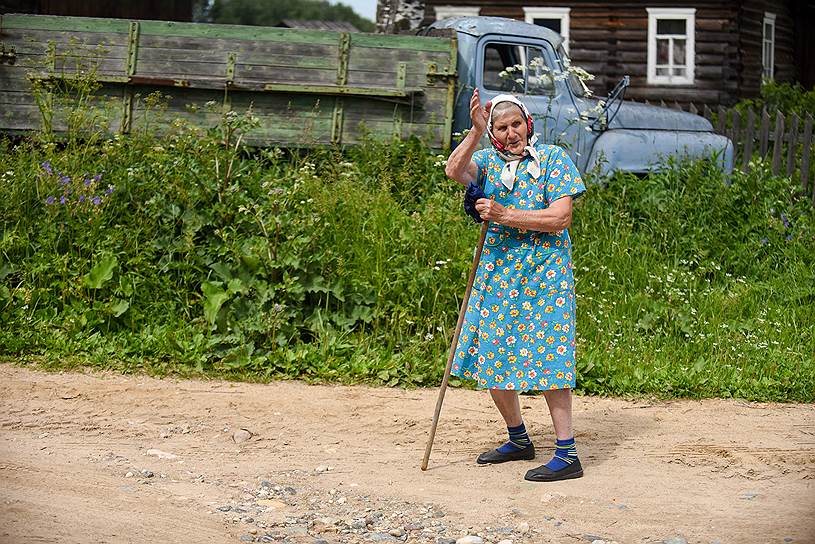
x,y
190,254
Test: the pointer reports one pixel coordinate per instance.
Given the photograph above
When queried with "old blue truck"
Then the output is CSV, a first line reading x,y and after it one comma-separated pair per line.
x,y
603,134
308,87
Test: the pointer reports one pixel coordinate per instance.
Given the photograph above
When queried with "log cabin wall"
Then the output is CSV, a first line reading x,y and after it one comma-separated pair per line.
x,y
751,20
610,40
159,10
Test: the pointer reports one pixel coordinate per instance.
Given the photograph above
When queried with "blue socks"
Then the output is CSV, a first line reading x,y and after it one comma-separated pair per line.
x,y
565,455
518,440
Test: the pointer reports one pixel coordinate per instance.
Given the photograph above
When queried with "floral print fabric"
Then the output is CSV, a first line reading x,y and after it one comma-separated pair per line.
x,y
519,328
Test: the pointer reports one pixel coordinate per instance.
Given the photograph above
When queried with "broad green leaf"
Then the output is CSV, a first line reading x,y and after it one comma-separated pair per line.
x,y
214,298
101,272
119,308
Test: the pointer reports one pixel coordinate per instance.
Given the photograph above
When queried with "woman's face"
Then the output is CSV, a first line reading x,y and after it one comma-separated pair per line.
x,y
510,129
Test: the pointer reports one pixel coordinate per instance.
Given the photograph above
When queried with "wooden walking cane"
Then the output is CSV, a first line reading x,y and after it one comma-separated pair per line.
x,y
454,345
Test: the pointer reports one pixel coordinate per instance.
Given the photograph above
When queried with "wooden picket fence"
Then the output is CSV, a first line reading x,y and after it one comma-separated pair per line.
x,y
786,141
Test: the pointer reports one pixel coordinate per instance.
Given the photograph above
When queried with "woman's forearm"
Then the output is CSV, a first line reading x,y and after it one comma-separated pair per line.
x,y
556,218
459,161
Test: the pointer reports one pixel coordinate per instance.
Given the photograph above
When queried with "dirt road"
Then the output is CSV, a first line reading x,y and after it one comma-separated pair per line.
x,y
110,458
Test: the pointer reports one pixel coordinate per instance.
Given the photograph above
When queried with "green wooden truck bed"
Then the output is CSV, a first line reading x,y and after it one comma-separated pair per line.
x,y
306,87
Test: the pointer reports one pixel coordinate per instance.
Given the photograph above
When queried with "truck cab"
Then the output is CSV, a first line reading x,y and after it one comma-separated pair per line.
x,y
602,134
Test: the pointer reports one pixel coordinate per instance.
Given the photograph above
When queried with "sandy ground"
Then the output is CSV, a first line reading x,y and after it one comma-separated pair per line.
x,y
330,464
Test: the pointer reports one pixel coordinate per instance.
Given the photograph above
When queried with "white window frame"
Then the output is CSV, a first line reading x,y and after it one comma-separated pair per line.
x,y
447,11
689,16
768,64
532,13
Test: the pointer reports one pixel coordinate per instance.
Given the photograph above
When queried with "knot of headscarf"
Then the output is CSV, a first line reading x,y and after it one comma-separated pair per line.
x,y
512,161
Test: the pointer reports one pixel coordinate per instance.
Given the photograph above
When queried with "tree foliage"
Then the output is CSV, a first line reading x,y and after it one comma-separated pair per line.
x,y
271,13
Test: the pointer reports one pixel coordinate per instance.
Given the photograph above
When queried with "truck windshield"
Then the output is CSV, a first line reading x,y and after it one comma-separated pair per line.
x,y
517,69
575,83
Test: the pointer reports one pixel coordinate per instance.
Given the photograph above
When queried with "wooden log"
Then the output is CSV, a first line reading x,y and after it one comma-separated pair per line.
x,y
792,144
748,139
807,143
764,133
778,142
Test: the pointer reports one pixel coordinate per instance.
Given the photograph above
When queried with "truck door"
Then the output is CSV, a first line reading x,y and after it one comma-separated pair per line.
x,y
529,70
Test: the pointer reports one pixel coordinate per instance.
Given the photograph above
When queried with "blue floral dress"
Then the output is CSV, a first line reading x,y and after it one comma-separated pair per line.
x,y
519,329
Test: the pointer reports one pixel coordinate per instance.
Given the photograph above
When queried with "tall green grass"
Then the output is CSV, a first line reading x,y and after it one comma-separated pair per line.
x,y
331,265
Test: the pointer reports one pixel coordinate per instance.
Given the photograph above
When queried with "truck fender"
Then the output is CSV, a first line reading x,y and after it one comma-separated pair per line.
x,y
642,150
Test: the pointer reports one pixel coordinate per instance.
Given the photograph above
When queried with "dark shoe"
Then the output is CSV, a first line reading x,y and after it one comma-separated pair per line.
x,y
494,456
543,474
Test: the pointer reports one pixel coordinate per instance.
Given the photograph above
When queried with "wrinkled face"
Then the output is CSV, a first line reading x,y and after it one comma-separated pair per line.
x,y
509,128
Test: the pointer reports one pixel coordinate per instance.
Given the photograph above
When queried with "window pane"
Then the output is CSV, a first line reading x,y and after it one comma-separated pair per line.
x,y
680,72
662,71
670,26
540,79
504,66
662,51
553,24
679,51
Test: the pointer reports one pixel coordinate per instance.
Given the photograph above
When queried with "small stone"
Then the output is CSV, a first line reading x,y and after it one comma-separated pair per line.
x,y
241,435
522,528
438,514
160,454
505,541
320,469
379,537
470,539
445,540
147,473
675,540
225,508
271,503
398,532
788,539
358,524
598,541
748,495
253,531
247,538
129,474
414,526
592,538
341,500
558,523
320,541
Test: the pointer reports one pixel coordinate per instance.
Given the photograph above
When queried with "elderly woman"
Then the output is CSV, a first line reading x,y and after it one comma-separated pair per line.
x,y
519,328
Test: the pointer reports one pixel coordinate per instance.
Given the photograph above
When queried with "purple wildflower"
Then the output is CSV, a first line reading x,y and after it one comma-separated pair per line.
x,y
109,190
46,165
65,180
50,200
764,241
789,237
62,199
87,182
82,198
785,221
97,177
96,201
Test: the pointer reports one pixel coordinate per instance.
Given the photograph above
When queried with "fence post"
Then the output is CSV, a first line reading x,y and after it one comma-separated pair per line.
x,y
707,114
735,125
807,142
778,142
720,125
791,144
748,139
764,133
692,109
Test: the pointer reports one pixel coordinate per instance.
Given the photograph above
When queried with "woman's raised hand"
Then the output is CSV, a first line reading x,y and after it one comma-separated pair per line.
x,y
478,114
